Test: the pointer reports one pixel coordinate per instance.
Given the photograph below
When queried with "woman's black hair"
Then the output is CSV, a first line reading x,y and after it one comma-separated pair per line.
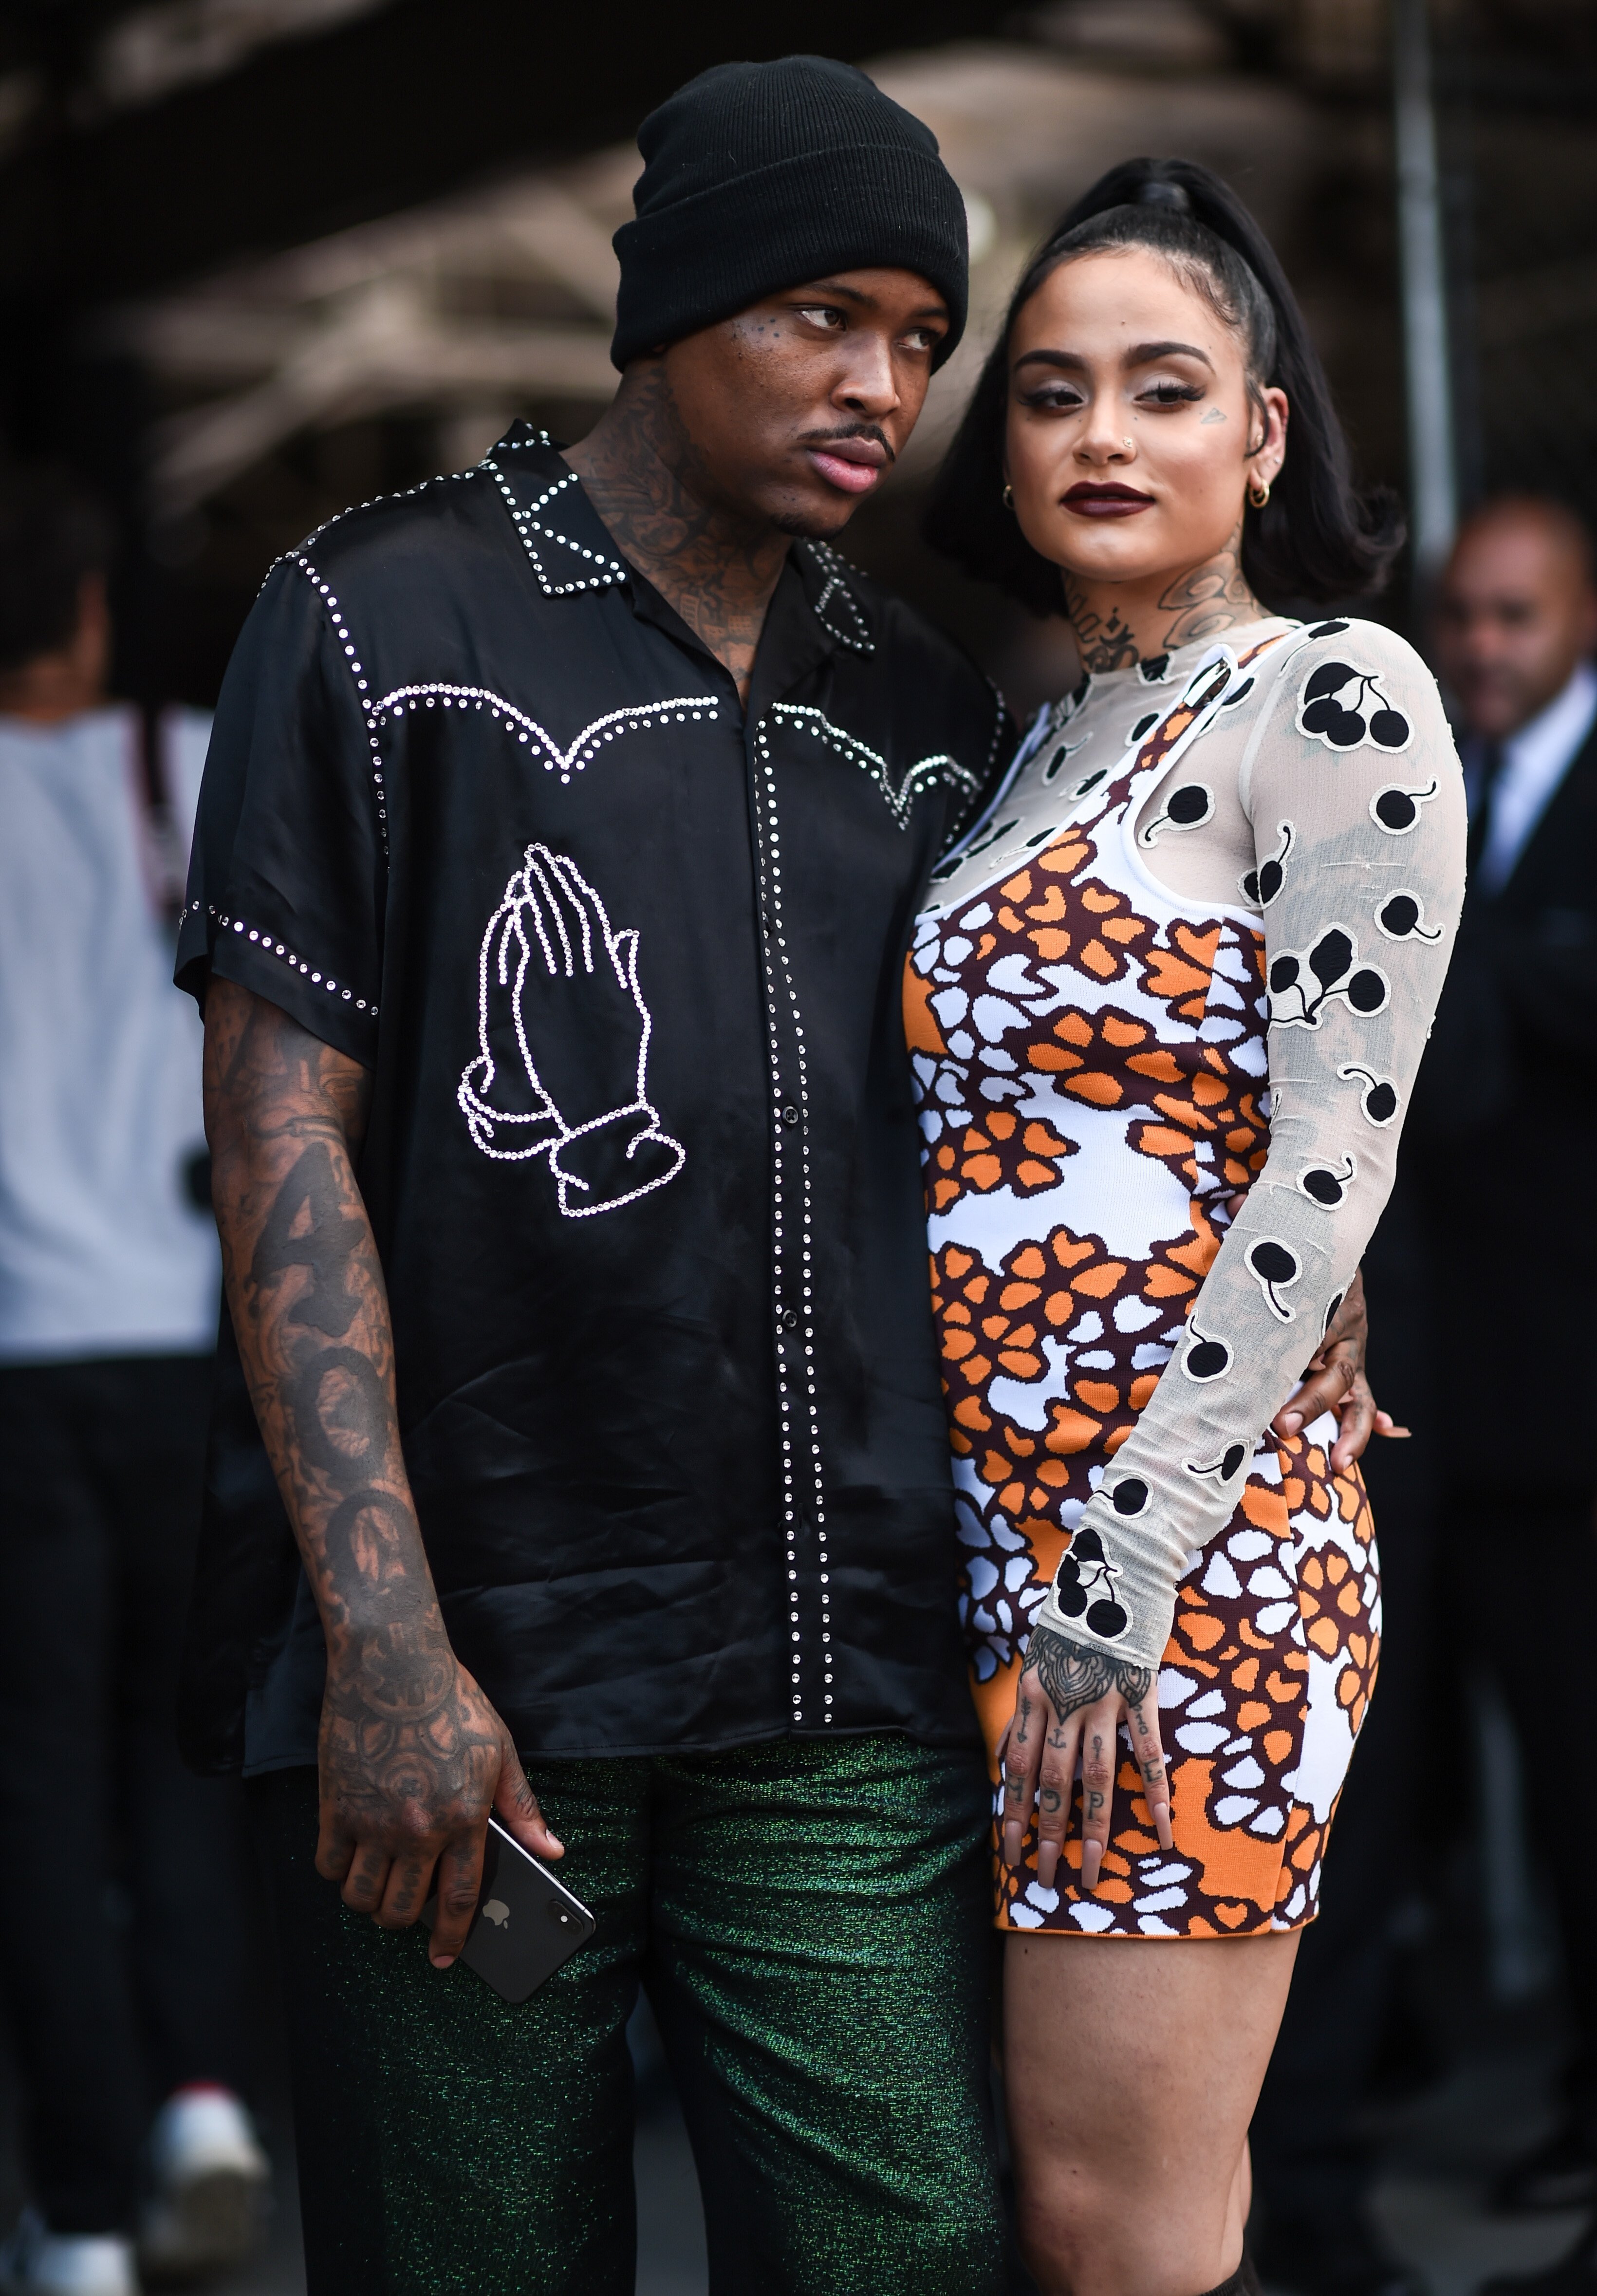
x,y
1318,538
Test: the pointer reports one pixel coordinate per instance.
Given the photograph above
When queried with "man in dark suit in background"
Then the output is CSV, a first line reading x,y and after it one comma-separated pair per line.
x,y
1511,1091
1488,1552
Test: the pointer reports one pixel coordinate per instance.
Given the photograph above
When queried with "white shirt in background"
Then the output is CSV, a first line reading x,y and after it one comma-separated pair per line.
x,y
1534,761
102,1251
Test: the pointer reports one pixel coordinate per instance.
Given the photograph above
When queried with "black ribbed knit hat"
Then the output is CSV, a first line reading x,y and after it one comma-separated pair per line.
x,y
759,176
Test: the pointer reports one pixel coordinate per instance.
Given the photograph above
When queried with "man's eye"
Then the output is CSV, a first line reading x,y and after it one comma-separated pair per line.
x,y
824,315
923,339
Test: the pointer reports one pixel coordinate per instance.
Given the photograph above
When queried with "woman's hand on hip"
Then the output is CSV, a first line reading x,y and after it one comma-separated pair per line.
x,y
1072,1701
1335,1380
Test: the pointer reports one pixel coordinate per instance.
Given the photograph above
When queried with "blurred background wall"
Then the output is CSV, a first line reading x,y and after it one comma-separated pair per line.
x,y
260,258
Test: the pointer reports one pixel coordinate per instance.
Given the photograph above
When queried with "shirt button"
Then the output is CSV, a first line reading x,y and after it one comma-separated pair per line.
x,y
789,1316
790,1115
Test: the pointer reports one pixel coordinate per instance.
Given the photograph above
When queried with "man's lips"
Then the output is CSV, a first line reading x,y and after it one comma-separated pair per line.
x,y
1106,501
852,464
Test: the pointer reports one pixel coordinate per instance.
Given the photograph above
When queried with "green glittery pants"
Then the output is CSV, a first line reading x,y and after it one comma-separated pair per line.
x,y
809,1919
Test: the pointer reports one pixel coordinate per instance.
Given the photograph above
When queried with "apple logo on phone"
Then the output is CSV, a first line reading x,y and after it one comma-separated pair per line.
x,y
496,1911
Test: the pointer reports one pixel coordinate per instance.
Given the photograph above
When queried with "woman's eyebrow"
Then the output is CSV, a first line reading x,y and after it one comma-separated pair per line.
x,y
1144,354
1139,354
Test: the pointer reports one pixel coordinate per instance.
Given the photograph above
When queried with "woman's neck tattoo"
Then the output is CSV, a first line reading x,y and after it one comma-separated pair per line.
x,y
1210,598
1198,604
1103,640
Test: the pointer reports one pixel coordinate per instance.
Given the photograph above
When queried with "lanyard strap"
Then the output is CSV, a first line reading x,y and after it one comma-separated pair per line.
x,y
167,864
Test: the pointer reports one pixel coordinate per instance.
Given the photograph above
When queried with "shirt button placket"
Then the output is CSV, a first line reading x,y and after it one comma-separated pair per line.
x,y
796,1370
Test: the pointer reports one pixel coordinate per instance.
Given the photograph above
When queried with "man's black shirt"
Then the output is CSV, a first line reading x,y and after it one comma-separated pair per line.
x,y
481,812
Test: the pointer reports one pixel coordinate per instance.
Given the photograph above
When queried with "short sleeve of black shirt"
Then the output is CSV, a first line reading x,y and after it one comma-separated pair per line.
x,y
286,882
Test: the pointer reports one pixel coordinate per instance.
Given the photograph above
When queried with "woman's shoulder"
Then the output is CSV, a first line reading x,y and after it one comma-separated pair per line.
x,y
1369,646
1351,683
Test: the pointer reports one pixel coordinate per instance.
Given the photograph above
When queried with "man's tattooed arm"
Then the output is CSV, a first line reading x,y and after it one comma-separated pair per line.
x,y
411,1754
1210,598
1078,1674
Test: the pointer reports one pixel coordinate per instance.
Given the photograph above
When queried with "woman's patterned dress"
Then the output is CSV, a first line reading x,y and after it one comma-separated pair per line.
x,y
1094,1053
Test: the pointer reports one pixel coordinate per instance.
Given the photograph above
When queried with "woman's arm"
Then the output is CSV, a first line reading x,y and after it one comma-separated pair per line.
x,y
1352,784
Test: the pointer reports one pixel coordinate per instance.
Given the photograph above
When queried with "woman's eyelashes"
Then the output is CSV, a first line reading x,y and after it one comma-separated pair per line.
x,y
1053,398
1066,398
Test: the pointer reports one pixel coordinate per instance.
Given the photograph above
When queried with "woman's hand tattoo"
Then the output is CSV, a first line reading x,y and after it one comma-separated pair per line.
x,y
1078,1674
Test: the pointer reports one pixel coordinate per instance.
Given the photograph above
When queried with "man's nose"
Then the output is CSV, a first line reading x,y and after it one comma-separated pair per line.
x,y
869,386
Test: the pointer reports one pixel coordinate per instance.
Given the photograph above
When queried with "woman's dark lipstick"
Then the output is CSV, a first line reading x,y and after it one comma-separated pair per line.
x,y
1110,501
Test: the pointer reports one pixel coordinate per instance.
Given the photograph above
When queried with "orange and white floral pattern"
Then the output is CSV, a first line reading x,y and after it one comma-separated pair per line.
x,y
1091,1055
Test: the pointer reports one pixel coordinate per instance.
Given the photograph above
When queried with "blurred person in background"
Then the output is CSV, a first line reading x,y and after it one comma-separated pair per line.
x,y
1511,1093
1352,2034
1508,1089
122,1926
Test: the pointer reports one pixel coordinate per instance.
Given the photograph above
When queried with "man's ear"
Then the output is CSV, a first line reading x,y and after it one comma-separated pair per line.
x,y
93,608
89,644
1588,622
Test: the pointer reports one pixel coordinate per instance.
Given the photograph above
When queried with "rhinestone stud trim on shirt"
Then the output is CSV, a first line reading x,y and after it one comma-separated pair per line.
x,y
836,592
335,615
638,717
802,718
269,947
608,572
797,1404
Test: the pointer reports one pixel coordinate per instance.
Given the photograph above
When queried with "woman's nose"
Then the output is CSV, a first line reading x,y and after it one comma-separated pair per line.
x,y
1101,439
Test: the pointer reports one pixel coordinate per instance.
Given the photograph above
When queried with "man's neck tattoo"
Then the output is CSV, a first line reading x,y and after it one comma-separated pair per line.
x,y
1202,601
639,467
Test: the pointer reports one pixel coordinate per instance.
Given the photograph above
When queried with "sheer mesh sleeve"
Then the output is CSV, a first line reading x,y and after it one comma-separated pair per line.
x,y
1352,788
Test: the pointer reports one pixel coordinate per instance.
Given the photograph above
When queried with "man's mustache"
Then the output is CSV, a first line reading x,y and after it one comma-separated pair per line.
x,y
872,430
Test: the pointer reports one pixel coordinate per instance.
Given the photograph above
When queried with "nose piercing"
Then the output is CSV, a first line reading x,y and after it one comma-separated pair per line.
x,y
1126,442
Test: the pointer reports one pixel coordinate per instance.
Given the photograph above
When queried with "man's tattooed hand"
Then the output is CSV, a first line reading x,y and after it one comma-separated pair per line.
x,y
1080,1673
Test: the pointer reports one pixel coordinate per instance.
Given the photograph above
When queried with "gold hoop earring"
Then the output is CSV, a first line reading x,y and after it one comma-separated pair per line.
x,y
1009,496
1259,492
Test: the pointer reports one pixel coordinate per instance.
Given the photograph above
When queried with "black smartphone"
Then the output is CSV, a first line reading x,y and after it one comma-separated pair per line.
x,y
525,1922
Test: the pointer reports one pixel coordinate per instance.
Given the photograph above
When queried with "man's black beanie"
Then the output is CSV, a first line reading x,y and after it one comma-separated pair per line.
x,y
759,177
